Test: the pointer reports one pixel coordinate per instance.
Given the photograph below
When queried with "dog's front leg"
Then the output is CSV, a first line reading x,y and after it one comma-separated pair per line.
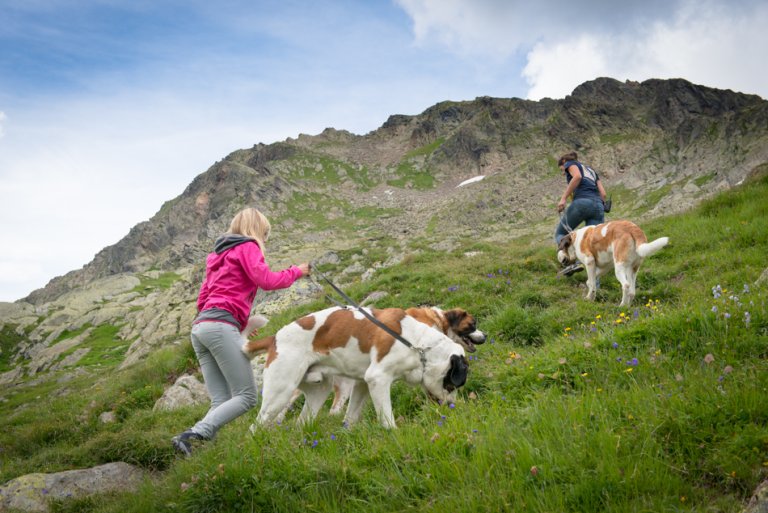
x,y
380,386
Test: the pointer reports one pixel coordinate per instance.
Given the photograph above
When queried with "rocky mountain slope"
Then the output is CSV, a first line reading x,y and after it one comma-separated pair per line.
x,y
358,202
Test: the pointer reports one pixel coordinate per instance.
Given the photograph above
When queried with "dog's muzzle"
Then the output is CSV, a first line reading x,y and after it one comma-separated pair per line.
x,y
563,258
471,339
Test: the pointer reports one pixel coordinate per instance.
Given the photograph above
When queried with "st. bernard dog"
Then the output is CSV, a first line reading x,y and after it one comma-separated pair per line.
x,y
338,341
618,244
457,323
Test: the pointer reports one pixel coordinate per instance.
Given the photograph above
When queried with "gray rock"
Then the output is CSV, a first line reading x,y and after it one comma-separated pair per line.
x,y
108,417
763,277
187,391
33,492
759,501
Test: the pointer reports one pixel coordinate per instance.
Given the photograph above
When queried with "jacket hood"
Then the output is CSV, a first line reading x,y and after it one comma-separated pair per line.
x,y
229,241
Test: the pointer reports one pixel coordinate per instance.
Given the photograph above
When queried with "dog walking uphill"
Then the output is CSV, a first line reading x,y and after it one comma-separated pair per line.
x,y
618,244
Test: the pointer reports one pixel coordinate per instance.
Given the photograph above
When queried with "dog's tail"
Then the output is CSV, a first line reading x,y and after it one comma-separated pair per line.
x,y
253,348
255,322
649,248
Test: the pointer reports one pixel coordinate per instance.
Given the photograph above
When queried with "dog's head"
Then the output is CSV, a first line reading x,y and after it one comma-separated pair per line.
x,y
445,370
462,328
566,252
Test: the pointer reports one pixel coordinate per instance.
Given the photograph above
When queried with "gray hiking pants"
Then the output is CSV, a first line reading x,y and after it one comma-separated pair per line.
x,y
227,373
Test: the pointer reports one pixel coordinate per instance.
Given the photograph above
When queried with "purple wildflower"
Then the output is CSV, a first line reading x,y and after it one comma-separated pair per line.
x,y
727,315
615,345
633,362
747,318
315,443
714,309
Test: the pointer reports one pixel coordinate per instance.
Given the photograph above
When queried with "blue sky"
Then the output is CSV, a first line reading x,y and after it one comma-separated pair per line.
x,y
108,108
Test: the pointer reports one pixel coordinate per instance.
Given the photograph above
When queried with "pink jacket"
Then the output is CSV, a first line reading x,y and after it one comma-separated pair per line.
x,y
234,273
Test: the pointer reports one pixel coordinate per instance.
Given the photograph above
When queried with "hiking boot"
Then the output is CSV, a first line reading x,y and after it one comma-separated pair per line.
x,y
571,269
183,442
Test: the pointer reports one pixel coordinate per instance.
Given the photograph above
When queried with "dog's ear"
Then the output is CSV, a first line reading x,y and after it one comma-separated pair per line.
x,y
566,242
454,316
457,373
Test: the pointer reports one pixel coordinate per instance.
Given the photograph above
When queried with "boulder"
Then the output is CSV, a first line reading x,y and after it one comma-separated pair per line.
x,y
759,501
33,492
187,391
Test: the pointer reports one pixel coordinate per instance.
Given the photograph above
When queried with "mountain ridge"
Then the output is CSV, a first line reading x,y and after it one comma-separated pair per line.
x,y
640,136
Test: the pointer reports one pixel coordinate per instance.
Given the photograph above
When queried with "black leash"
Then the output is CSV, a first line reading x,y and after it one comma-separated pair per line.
x,y
370,317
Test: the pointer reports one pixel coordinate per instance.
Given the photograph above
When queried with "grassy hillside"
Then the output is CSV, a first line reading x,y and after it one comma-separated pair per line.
x,y
570,406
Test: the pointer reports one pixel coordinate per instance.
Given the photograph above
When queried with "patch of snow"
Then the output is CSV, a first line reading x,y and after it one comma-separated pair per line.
x,y
471,180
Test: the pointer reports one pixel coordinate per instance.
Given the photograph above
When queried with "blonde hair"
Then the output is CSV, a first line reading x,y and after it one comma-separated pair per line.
x,y
251,223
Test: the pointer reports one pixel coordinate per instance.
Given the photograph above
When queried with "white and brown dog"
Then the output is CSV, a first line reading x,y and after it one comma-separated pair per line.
x,y
618,244
310,351
457,323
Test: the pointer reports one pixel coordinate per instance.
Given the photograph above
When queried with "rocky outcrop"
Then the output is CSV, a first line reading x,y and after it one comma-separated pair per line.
x,y
685,140
33,492
759,501
186,391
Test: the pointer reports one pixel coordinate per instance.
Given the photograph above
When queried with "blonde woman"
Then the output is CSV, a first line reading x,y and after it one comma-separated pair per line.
x,y
234,272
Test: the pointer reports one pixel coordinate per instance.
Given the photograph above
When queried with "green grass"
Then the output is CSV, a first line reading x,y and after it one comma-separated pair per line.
x,y
311,210
570,405
410,176
163,281
9,340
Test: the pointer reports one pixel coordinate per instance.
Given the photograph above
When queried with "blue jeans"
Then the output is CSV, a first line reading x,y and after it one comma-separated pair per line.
x,y
227,373
587,210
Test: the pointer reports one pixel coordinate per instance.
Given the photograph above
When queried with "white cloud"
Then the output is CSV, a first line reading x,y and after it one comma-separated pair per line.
x,y
555,70
716,43
493,28
709,45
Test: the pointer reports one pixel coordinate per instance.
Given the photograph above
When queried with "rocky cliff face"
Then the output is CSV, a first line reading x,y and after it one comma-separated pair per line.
x,y
639,136
660,146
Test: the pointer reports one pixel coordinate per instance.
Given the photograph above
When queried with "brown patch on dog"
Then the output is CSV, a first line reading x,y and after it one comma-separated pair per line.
x,y
307,322
590,242
342,325
429,317
266,344
461,322
271,352
623,235
566,242
254,347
